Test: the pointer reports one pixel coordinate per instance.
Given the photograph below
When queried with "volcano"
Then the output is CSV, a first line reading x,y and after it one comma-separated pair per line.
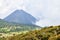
x,y
21,17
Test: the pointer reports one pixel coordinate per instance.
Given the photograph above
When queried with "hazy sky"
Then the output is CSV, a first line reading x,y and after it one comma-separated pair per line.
x,y
46,11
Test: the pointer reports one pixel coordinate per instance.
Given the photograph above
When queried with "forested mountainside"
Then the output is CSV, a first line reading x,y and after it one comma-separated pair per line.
x,y
6,27
46,33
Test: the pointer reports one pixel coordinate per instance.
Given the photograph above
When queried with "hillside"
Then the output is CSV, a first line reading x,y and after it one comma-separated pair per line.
x,y
46,33
6,27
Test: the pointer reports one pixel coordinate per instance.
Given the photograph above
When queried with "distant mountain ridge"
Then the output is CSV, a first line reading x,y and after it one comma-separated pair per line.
x,y
21,17
18,21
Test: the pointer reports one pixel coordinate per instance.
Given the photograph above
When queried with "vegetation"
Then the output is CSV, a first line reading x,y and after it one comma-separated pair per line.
x,y
46,33
6,27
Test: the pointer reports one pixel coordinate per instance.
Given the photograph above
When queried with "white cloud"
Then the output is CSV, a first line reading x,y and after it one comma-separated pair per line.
x,y
52,14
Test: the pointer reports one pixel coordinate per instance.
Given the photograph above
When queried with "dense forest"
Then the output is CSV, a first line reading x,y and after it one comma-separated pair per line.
x,y
46,33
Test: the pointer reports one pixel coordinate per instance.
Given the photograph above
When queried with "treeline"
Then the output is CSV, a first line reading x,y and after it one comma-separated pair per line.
x,y
46,33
